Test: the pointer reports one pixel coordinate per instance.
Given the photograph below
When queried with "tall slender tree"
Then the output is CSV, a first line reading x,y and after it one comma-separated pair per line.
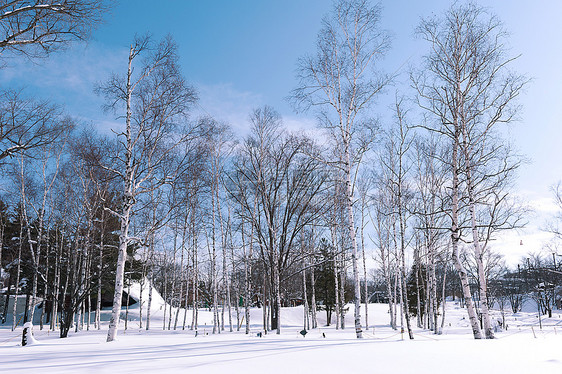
x,y
469,90
339,81
155,100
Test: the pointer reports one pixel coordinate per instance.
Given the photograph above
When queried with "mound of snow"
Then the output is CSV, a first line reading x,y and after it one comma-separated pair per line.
x,y
134,290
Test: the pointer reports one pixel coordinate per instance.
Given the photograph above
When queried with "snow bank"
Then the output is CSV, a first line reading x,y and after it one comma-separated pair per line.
x,y
135,292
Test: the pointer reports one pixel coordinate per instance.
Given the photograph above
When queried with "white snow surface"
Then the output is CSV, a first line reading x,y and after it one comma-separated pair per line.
x,y
516,350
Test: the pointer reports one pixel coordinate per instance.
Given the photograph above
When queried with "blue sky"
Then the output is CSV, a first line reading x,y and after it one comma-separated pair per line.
x,y
242,54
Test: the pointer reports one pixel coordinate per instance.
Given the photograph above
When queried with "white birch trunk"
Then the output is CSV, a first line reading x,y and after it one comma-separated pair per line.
x,y
482,281
419,312
366,289
119,283
313,300
247,273
403,291
342,275
57,281
228,296
214,283
306,320
88,295
455,238
47,288
433,312
127,306
195,292
183,277
100,267
16,285
401,299
443,299
351,228
236,289
165,295
336,281
128,202
186,300
141,301
388,281
395,294
150,287
265,324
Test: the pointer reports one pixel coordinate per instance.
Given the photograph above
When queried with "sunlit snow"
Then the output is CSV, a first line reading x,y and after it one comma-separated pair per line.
x,y
516,350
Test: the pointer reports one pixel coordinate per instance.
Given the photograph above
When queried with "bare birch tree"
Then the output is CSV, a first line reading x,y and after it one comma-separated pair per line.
x,y
468,90
154,100
395,169
341,83
26,124
34,28
382,223
430,212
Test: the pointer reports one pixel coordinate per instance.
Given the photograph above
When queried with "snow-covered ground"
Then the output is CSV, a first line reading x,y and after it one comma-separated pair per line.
x,y
324,350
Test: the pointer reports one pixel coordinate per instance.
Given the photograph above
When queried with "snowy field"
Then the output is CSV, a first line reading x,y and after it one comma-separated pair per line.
x,y
516,350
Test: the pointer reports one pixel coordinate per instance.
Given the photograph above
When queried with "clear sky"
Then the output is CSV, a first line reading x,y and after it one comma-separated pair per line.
x,y
242,54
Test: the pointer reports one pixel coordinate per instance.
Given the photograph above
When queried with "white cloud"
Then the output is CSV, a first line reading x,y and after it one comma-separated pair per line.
x,y
68,78
76,69
305,124
515,245
225,103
